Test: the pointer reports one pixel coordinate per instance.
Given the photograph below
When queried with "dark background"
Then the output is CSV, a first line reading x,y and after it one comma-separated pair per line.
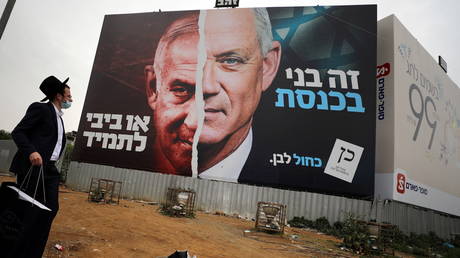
x,y
126,45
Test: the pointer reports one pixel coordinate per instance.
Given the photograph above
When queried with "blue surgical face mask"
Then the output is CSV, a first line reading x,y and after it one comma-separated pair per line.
x,y
66,104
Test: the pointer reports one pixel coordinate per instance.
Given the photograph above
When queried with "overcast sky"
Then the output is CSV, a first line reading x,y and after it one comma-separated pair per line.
x,y
60,37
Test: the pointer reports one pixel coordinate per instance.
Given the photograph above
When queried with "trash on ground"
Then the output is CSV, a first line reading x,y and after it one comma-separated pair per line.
x,y
59,247
181,254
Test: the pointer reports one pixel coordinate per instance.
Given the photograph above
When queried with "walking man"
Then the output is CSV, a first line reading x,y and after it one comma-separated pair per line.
x,y
40,138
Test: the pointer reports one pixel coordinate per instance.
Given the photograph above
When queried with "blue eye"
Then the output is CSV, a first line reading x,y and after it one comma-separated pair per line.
x,y
231,60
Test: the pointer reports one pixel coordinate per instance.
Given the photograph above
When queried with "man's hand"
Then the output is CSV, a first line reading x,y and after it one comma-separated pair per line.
x,y
36,159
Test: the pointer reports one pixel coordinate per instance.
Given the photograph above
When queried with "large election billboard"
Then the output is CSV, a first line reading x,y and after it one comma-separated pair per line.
x,y
418,124
280,97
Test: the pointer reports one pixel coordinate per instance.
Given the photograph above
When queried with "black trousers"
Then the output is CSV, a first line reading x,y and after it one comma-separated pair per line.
x,y
36,242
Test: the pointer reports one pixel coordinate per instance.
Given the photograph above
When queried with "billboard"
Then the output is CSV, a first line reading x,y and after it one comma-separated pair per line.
x,y
418,124
280,97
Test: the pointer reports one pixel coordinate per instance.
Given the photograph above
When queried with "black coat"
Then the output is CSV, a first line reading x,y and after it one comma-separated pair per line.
x,y
36,132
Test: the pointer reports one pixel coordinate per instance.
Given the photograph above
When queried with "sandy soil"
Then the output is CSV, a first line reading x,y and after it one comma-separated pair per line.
x,y
136,229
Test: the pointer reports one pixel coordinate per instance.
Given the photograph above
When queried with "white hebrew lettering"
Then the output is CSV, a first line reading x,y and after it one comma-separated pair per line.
x,y
316,81
130,119
341,74
300,82
122,138
142,140
354,79
98,136
105,141
90,136
107,118
89,117
117,125
285,155
138,122
99,118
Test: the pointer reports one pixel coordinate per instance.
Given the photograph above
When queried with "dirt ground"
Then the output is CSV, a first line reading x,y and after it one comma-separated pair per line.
x,y
136,229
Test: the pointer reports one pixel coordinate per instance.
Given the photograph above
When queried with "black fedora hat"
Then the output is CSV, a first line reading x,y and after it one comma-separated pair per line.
x,y
51,86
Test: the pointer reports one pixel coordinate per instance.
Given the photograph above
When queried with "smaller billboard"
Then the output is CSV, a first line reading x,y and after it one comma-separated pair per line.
x,y
418,153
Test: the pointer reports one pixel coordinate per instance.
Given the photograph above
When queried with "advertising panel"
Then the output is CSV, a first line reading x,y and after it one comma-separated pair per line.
x,y
280,97
385,111
426,127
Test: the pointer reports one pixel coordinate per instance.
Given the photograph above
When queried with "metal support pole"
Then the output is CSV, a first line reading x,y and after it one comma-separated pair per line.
x,y
6,15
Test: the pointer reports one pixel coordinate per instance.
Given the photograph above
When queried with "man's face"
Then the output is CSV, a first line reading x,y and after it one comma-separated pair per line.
x,y
174,107
232,83
67,96
232,78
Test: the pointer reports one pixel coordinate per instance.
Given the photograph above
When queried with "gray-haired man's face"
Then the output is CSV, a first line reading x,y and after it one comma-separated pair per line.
x,y
234,76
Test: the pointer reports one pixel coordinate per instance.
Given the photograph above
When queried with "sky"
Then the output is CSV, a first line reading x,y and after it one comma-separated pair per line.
x,y
60,37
